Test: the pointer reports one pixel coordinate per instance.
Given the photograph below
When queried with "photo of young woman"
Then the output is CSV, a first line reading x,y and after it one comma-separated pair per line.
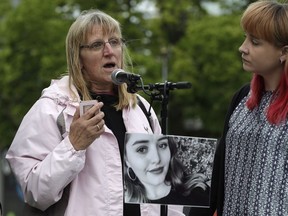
x,y
154,174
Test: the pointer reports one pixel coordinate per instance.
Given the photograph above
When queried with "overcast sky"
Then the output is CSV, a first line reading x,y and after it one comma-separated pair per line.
x,y
149,8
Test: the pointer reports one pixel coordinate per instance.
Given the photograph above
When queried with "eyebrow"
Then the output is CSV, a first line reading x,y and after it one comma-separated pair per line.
x,y
101,39
147,141
162,138
253,36
140,142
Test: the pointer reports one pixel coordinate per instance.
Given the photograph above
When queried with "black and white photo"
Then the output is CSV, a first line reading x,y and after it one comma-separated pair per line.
x,y
167,169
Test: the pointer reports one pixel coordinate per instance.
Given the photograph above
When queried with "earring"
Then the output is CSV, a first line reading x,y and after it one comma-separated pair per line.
x,y
131,174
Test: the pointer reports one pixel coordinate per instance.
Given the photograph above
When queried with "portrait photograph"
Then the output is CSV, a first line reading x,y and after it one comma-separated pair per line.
x,y
168,169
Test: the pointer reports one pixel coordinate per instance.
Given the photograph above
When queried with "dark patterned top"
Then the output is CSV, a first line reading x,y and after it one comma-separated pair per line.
x,y
256,163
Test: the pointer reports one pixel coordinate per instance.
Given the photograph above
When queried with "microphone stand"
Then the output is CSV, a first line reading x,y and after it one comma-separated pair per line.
x,y
162,95
164,116
164,108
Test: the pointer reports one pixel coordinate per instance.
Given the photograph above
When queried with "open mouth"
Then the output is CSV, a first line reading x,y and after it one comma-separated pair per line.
x,y
109,65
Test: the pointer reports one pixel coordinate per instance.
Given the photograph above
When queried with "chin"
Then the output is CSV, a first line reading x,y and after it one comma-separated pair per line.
x,y
246,68
158,181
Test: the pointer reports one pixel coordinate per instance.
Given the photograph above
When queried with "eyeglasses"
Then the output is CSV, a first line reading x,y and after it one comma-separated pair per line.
x,y
99,44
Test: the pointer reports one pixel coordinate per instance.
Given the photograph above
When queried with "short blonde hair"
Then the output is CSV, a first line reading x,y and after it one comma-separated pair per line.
x,y
77,35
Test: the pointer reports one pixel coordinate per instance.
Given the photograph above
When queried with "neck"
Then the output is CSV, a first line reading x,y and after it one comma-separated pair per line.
x,y
158,191
272,81
108,90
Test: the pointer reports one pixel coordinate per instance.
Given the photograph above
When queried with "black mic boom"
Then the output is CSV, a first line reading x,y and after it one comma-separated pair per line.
x,y
169,86
119,77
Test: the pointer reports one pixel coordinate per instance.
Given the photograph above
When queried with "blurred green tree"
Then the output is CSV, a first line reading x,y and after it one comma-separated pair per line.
x,y
208,57
179,41
32,52
32,48
192,45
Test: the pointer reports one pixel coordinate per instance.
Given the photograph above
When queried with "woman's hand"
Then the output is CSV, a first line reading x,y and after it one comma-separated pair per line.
x,y
85,129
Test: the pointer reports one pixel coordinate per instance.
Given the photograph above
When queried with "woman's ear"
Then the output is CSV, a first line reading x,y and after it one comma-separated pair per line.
x,y
284,54
127,162
285,49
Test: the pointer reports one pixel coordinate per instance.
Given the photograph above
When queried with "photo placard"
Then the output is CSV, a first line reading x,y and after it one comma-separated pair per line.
x,y
168,169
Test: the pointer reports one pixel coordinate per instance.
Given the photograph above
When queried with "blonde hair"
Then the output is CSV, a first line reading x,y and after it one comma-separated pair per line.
x,y
76,36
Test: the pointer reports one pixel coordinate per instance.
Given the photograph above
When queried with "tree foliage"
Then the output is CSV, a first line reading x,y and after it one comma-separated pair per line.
x,y
203,50
33,40
181,38
208,57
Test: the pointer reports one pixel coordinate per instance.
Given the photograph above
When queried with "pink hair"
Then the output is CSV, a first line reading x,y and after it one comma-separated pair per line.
x,y
268,20
278,109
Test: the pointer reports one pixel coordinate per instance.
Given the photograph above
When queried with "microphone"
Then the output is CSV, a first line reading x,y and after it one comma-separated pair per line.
x,y
119,77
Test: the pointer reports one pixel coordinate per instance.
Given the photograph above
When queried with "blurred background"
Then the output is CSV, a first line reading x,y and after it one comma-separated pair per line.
x,y
189,40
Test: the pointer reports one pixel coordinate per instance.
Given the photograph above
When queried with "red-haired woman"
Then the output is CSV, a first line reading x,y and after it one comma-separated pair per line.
x,y
251,161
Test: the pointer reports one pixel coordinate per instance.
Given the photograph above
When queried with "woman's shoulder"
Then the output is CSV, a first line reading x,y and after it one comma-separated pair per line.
x,y
60,92
197,197
242,92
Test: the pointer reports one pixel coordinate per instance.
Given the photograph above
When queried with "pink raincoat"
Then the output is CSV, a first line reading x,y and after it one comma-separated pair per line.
x,y
44,161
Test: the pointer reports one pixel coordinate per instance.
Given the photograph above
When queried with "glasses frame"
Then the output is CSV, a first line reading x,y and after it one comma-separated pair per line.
x,y
92,47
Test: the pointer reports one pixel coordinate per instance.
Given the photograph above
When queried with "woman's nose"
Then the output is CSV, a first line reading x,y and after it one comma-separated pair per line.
x,y
243,48
154,156
107,49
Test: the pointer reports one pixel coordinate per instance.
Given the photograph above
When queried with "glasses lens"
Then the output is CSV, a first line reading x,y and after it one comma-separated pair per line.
x,y
114,42
97,45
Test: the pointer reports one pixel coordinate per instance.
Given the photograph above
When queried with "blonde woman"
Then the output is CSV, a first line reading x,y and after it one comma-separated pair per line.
x,y
74,167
